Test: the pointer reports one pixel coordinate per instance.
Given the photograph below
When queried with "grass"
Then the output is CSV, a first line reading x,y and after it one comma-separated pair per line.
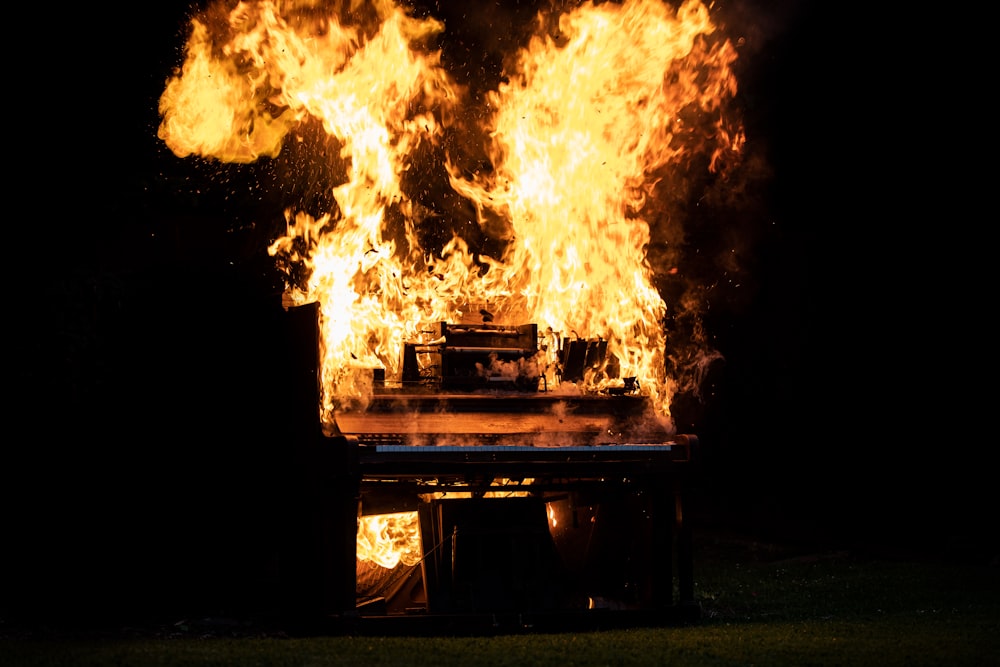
x,y
761,605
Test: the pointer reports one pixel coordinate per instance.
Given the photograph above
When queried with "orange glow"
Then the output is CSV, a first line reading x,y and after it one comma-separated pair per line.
x,y
389,539
592,111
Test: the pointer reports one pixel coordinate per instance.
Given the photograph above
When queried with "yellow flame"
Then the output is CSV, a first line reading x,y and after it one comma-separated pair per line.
x,y
592,112
580,128
389,539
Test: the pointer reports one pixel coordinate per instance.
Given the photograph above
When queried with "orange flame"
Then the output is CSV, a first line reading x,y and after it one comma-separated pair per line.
x,y
389,539
593,111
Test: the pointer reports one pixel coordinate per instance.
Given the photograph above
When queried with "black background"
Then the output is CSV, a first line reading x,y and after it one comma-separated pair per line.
x,y
144,468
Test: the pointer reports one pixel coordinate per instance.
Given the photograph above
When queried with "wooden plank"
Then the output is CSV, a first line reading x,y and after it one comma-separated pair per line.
x,y
470,423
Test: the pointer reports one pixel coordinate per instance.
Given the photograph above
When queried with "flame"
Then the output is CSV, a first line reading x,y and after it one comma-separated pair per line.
x,y
580,136
389,539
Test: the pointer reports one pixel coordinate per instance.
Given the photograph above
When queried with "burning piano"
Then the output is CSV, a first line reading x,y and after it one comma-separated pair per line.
x,y
482,490
477,262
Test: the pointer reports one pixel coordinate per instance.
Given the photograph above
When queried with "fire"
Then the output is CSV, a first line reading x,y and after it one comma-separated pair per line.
x,y
389,539
560,165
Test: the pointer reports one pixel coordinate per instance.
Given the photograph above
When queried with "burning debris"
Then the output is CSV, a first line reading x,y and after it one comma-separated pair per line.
x,y
535,191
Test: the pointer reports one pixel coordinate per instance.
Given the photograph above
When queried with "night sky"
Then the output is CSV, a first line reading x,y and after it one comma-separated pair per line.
x,y
149,397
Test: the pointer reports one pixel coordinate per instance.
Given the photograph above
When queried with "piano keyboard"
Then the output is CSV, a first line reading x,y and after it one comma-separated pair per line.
x,y
415,449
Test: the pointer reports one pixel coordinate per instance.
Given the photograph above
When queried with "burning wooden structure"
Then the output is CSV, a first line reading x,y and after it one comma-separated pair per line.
x,y
476,244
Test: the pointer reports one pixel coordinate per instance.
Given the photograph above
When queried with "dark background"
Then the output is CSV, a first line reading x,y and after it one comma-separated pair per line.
x,y
145,470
